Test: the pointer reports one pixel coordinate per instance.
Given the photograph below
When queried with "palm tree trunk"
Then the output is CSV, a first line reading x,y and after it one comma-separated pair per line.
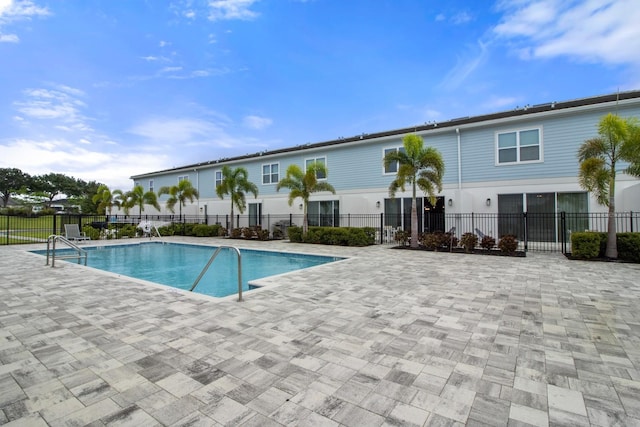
x,y
612,244
305,220
414,222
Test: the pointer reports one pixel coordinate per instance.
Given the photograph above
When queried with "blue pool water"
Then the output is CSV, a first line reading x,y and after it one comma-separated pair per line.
x,y
178,265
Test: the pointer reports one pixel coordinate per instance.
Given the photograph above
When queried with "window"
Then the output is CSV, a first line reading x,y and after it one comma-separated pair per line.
x,y
270,173
150,185
519,146
322,160
183,178
255,214
218,178
324,214
392,168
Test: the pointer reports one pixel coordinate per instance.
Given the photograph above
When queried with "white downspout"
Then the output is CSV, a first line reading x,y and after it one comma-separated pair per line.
x,y
459,161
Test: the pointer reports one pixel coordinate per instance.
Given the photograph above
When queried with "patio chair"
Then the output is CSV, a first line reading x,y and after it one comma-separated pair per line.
x,y
72,232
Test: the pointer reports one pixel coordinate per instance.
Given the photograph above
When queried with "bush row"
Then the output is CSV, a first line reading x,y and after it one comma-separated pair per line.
x,y
340,236
592,244
445,241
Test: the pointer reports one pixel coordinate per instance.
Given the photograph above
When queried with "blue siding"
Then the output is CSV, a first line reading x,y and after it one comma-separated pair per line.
x,y
358,165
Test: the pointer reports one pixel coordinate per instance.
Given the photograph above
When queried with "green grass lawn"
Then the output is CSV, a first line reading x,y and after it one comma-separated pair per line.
x,y
25,230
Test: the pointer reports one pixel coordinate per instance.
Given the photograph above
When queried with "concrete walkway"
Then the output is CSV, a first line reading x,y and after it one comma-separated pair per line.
x,y
388,337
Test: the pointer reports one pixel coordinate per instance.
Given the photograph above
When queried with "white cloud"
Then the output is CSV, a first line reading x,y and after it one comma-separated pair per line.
x,y
176,131
41,156
593,30
61,105
257,122
9,38
231,9
461,18
497,102
466,65
17,10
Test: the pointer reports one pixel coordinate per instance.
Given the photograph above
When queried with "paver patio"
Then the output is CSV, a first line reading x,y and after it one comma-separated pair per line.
x,y
387,337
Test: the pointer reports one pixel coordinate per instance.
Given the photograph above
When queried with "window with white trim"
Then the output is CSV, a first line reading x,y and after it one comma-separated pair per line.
x,y
522,146
270,173
183,178
393,167
323,160
150,185
218,178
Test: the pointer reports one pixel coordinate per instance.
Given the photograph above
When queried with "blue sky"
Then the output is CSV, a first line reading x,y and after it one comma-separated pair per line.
x,y
102,89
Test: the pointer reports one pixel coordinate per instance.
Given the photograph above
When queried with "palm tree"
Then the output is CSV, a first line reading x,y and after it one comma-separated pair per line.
x,y
236,184
421,167
618,141
106,199
138,197
303,184
179,194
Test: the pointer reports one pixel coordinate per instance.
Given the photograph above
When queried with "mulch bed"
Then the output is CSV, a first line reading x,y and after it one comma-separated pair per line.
x,y
490,252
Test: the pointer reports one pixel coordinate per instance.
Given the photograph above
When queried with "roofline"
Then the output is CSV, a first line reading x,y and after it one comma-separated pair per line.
x,y
452,123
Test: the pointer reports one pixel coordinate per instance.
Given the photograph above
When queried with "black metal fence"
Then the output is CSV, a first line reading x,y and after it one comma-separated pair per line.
x,y
538,232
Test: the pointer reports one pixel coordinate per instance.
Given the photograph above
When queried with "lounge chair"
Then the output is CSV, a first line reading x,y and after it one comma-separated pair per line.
x,y
72,232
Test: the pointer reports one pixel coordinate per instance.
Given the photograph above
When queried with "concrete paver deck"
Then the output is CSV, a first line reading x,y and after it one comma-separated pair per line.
x,y
387,337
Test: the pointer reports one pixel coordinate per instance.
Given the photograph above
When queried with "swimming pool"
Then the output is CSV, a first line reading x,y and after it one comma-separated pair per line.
x,y
178,265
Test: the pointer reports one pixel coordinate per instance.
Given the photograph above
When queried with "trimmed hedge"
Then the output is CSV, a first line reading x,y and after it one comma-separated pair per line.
x,y
592,244
586,245
339,236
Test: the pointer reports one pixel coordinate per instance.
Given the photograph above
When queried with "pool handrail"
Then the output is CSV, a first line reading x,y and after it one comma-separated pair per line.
x,y
206,267
51,243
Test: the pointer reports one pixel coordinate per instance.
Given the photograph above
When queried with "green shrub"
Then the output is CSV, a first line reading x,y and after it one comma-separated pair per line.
x,y
468,241
203,230
90,232
487,243
127,230
340,236
295,234
585,245
166,230
629,246
508,244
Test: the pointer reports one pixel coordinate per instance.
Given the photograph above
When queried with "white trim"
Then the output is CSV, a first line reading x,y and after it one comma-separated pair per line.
x,y
262,175
518,131
315,159
387,148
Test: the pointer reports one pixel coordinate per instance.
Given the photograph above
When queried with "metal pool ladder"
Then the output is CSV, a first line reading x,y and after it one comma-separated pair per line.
x,y
206,267
51,243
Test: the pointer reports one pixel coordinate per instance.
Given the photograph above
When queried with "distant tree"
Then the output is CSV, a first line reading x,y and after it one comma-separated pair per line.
x,y
51,185
303,184
89,190
618,141
419,166
138,197
179,194
12,181
236,184
106,200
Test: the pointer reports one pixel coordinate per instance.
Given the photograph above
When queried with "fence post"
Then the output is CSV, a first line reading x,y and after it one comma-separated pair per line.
x,y
55,226
563,230
526,231
290,220
381,228
7,234
631,220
